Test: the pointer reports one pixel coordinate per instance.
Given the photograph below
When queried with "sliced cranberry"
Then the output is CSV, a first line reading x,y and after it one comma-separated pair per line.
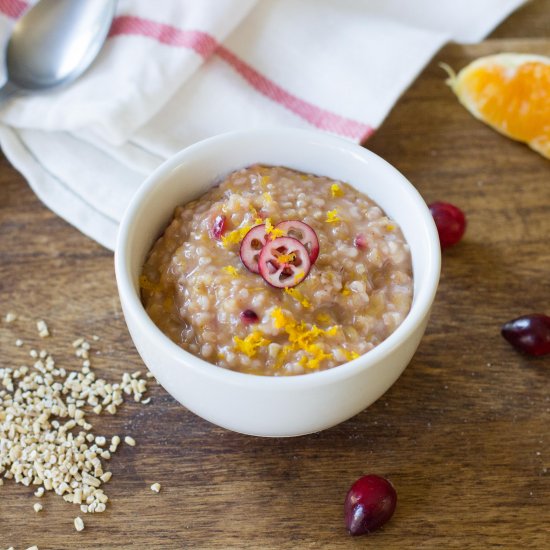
x,y
251,246
369,504
529,333
304,233
360,241
218,227
450,222
284,262
249,317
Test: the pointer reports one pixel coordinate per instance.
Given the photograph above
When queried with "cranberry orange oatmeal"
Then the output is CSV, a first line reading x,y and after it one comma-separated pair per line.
x,y
277,272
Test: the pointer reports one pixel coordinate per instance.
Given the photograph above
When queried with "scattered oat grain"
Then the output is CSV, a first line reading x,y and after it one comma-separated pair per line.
x,y
42,327
45,439
130,441
106,477
10,317
115,441
155,487
78,523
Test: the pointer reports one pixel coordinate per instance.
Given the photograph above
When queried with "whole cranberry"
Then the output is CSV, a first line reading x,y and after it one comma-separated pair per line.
x,y
450,222
369,504
529,333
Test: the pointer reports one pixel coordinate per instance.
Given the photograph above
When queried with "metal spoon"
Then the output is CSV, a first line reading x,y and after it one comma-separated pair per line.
x,y
54,42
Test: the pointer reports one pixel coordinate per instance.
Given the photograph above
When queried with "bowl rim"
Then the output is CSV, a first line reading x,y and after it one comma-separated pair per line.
x,y
133,307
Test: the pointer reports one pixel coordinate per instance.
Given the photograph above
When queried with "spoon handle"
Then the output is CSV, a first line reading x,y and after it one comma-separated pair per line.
x,y
7,90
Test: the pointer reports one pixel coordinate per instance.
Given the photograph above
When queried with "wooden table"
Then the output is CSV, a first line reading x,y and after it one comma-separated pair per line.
x,y
463,435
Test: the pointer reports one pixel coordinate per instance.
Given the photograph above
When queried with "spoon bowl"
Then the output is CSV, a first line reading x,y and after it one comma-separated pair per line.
x,y
54,42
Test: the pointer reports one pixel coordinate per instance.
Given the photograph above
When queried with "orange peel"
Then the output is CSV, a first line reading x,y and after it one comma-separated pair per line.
x,y
511,93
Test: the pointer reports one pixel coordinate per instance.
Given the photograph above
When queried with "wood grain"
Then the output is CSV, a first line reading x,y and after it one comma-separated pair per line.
x,y
463,434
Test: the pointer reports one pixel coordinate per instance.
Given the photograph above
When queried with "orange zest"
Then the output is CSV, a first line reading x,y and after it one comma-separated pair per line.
x,y
302,337
332,216
273,232
335,190
236,236
298,296
249,345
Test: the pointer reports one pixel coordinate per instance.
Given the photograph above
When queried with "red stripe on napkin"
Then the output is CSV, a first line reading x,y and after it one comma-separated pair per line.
x,y
13,8
320,118
201,42
206,45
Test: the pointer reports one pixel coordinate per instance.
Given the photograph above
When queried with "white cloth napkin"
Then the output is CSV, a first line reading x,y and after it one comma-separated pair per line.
x,y
174,72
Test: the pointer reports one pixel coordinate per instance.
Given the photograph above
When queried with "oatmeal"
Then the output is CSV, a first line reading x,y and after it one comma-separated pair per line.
x,y
277,272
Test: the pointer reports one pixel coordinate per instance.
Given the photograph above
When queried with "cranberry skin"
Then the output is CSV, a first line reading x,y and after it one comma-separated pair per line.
x,y
251,246
249,317
304,233
529,333
360,241
369,504
450,222
218,227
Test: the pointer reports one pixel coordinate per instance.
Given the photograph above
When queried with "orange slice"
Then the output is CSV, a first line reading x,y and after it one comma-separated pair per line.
x,y
511,93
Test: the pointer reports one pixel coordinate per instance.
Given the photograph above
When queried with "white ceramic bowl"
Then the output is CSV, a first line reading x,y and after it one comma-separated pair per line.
x,y
263,405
